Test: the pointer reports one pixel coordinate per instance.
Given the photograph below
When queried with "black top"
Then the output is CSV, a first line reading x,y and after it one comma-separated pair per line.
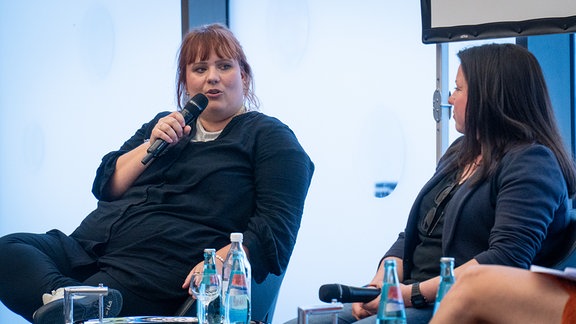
x,y
429,251
515,217
252,179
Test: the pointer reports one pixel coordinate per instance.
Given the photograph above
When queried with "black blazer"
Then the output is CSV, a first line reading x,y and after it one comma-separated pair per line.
x,y
511,218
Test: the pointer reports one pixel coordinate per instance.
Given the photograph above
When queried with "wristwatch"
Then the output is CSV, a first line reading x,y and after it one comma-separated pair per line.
x,y
418,300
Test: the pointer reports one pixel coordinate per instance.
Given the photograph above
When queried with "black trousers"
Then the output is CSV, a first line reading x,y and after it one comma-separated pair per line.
x,y
34,264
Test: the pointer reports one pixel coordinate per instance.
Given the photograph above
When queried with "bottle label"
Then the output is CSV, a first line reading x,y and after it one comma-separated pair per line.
x,y
237,300
395,302
238,281
239,304
391,309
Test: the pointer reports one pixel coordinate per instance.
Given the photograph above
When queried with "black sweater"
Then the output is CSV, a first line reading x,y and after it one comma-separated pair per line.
x,y
252,179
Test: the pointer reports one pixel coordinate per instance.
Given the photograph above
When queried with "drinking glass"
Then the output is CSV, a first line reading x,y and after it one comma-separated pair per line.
x,y
205,287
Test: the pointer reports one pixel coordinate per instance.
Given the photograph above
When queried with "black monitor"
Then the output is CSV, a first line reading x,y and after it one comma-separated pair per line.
x,y
450,21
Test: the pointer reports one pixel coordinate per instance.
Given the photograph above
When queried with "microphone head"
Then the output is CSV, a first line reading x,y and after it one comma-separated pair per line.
x,y
194,108
330,292
200,100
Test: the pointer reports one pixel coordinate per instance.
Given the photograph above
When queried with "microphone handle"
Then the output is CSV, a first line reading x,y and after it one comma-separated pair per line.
x,y
347,294
154,149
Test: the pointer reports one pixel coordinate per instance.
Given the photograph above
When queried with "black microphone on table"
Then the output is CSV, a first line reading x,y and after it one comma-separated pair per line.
x,y
191,111
347,294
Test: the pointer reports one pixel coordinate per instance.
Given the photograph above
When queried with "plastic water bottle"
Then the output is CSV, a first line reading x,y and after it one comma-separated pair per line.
x,y
235,245
237,298
447,279
391,308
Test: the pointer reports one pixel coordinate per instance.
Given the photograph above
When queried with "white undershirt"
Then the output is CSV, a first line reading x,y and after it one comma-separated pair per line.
x,y
203,135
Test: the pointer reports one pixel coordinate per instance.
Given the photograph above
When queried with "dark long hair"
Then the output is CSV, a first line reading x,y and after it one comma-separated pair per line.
x,y
508,105
197,46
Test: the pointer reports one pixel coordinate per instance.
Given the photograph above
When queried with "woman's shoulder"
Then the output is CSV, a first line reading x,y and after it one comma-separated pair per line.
x,y
262,123
530,149
530,157
261,118
532,165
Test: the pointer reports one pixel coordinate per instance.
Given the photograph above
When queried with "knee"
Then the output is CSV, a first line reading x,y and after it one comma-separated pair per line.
x,y
477,276
474,273
469,284
9,245
6,240
9,239
7,248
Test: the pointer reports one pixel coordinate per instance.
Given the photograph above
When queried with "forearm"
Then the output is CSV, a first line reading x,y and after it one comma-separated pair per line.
x,y
129,166
378,278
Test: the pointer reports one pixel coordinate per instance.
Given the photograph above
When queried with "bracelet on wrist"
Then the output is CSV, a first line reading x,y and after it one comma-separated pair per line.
x,y
220,258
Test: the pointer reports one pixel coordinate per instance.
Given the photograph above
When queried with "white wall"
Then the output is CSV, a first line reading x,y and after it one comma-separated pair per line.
x,y
354,81
78,77
351,78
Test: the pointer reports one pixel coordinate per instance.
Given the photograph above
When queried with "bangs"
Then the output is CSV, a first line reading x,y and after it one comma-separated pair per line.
x,y
203,45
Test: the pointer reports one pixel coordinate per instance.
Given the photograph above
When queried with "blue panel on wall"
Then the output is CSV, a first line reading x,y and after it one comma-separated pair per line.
x,y
200,12
556,58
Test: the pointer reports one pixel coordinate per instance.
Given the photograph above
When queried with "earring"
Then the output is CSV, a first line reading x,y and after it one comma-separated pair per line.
x,y
186,97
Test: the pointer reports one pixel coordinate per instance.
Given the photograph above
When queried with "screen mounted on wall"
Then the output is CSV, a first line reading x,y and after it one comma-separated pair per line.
x,y
452,20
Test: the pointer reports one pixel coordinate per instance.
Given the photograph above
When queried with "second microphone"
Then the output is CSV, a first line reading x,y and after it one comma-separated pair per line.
x,y
346,294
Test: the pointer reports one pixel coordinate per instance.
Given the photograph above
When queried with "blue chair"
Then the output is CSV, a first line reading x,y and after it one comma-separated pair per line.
x,y
565,254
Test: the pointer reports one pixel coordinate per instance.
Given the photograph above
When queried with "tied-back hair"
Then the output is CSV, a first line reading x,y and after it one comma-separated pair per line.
x,y
508,105
197,46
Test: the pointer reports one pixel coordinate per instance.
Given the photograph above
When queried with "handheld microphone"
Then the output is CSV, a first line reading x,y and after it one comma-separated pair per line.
x,y
347,294
191,111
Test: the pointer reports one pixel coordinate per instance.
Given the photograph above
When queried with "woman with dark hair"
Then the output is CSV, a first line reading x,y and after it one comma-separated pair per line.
x,y
233,170
500,193
505,184
507,106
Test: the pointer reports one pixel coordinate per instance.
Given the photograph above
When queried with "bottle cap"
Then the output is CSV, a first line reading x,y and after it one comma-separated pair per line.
x,y
209,250
236,237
